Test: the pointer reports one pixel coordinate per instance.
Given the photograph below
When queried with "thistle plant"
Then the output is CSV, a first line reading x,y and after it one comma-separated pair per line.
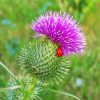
x,y
44,60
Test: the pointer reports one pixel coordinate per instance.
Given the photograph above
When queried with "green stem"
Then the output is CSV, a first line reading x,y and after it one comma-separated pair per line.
x,y
8,71
29,91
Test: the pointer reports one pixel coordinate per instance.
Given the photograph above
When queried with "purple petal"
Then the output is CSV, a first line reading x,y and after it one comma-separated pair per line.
x,y
61,29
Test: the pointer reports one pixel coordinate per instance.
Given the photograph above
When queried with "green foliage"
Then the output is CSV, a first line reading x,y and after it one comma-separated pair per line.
x,y
27,89
21,12
79,8
39,59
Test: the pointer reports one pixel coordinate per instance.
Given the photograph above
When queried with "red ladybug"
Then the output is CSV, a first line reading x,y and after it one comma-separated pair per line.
x,y
59,52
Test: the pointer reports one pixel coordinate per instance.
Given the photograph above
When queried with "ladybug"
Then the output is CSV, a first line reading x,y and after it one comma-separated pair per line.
x,y
59,52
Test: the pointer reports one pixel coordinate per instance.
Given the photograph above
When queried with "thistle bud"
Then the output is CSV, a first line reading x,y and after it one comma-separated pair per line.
x,y
39,60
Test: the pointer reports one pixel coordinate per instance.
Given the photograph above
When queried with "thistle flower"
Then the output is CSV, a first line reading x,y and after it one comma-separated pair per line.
x,y
63,30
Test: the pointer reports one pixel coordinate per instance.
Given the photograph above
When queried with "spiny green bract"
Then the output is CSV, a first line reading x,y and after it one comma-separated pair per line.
x,y
17,91
39,59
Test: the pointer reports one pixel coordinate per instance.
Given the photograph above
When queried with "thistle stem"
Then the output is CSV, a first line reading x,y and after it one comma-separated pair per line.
x,y
8,71
29,92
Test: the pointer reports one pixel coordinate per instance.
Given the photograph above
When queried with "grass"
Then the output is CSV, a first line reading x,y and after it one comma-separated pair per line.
x,y
15,18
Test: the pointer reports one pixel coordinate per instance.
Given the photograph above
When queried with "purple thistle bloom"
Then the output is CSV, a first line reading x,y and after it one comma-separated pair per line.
x,y
62,29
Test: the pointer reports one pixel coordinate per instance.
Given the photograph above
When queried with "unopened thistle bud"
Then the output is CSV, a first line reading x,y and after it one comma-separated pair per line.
x,y
39,60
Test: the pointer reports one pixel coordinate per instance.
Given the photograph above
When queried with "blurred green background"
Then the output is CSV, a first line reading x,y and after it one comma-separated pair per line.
x,y
16,16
